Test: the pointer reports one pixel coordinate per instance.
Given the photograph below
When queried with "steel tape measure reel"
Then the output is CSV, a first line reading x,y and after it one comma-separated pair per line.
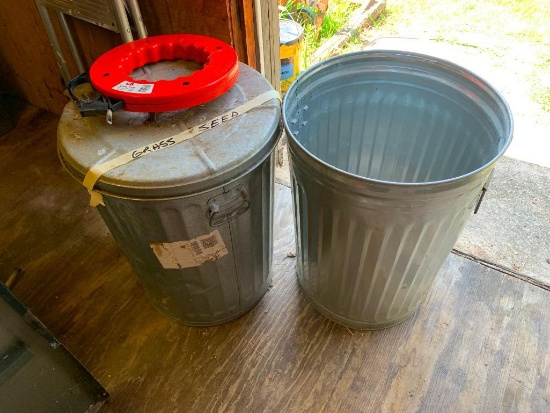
x,y
115,87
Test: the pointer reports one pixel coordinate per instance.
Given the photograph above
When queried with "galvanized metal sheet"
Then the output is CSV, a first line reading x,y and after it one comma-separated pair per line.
x,y
389,152
220,288
398,117
194,220
224,152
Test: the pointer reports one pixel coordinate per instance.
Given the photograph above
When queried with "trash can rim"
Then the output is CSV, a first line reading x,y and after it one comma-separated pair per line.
x,y
421,56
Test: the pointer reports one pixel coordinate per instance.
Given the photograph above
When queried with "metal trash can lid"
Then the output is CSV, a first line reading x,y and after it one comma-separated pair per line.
x,y
290,32
228,149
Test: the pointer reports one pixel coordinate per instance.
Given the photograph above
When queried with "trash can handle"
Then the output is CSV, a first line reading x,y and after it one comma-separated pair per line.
x,y
232,204
245,206
483,191
480,199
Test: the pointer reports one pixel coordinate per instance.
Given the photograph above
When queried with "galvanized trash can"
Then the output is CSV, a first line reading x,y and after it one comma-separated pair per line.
x,y
389,154
195,220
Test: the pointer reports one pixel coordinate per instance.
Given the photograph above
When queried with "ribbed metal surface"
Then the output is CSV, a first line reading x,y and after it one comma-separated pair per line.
x,y
389,152
393,137
216,291
207,161
98,12
220,180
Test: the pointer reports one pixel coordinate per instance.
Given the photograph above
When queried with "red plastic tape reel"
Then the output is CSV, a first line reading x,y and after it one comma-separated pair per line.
x,y
110,74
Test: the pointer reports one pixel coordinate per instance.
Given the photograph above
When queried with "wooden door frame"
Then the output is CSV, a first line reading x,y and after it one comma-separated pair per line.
x,y
254,27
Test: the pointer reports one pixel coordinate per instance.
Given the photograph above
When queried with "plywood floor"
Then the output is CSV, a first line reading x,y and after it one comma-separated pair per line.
x,y
480,342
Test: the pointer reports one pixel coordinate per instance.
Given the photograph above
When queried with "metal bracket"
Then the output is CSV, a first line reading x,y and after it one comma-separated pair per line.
x,y
90,106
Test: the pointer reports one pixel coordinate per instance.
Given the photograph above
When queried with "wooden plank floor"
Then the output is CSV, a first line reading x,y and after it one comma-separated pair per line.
x,y
480,342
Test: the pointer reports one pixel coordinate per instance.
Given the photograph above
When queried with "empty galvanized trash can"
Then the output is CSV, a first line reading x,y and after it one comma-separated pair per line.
x,y
389,153
194,220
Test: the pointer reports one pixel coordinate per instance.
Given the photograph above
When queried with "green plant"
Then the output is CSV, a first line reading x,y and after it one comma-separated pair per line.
x,y
309,45
540,83
515,19
299,12
542,97
337,14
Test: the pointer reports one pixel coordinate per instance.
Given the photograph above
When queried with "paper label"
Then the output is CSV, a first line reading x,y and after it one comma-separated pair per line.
x,y
192,253
143,88
287,70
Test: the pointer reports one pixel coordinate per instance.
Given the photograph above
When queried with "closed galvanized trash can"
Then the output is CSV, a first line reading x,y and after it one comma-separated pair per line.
x,y
389,154
194,220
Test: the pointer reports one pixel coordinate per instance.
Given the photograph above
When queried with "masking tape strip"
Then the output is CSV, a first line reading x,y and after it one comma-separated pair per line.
x,y
96,171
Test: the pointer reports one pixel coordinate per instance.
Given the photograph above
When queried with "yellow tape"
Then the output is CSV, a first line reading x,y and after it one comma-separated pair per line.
x,y
96,171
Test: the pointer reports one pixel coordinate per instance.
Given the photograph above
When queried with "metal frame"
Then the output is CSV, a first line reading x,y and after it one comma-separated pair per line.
x,y
118,9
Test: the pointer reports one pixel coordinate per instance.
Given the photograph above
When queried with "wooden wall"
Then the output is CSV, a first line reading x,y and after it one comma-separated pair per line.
x,y
27,63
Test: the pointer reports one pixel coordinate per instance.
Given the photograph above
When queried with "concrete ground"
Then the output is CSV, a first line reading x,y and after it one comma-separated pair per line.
x,y
509,75
512,227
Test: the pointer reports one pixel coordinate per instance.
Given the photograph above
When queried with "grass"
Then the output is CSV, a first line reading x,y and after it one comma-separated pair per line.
x,y
505,29
515,19
541,95
335,18
541,85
